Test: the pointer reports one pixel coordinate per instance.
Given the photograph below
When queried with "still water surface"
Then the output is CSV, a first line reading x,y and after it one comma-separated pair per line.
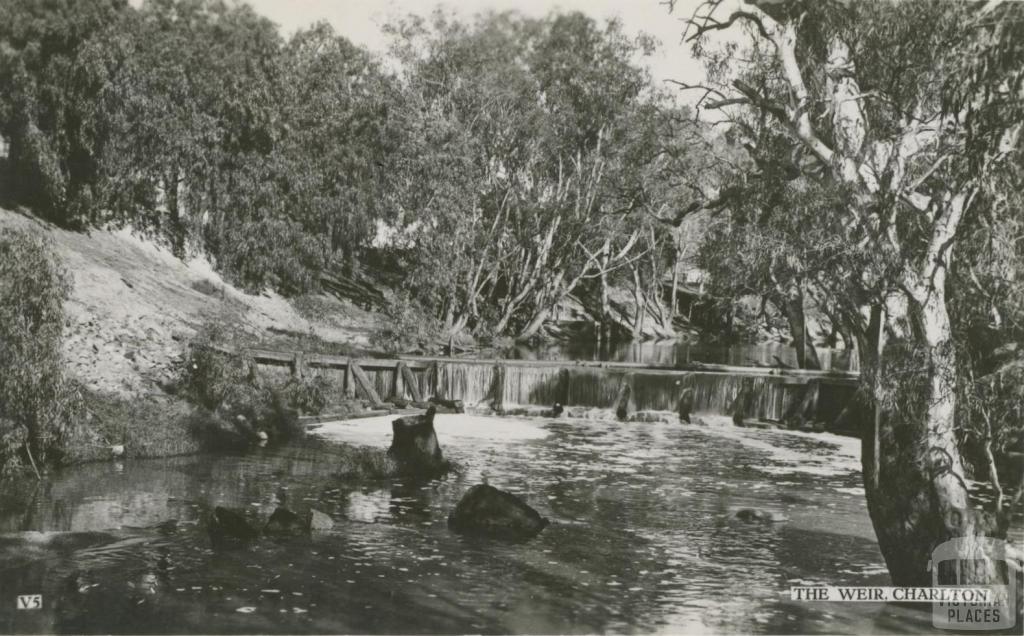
x,y
639,540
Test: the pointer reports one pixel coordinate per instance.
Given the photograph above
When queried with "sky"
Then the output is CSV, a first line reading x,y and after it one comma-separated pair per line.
x,y
361,21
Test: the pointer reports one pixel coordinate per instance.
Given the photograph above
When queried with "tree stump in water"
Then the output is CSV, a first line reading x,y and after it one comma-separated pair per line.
x,y
486,511
685,405
414,445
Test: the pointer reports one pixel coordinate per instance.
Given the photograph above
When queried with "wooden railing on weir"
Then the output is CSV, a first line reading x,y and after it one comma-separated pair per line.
x,y
411,380
300,359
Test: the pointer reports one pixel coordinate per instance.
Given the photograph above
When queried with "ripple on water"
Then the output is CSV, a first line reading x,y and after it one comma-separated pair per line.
x,y
639,539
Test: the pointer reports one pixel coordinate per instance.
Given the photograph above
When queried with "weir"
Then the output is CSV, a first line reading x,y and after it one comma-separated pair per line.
x,y
510,383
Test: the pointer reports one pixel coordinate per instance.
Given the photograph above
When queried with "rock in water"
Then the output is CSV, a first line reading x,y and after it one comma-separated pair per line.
x,y
284,524
685,405
317,521
486,511
230,528
414,445
244,428
755,515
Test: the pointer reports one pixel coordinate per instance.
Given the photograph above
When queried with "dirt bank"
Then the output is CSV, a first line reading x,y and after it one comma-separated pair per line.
x,y
135,307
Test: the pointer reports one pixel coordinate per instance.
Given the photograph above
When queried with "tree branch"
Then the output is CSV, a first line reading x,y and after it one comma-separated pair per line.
x,y
710,24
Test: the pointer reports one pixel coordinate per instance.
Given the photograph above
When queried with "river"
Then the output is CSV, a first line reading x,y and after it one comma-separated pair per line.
x,y
639,539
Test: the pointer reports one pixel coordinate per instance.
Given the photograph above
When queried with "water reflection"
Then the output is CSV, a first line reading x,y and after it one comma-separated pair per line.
x,y
639,539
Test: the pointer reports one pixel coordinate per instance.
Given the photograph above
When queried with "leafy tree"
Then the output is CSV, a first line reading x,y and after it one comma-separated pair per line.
x,y
906,115
56,59
194,121
337,141
197,131
525,143
38,405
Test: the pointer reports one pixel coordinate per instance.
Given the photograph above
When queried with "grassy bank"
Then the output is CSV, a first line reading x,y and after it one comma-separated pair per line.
x,y
149,426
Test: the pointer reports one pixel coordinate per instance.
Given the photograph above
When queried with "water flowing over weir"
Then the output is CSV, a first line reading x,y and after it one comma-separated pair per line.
x,y
512,383
653,390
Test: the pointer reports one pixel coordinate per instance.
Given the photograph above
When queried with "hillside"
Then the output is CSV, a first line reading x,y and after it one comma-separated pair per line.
x,y
134,308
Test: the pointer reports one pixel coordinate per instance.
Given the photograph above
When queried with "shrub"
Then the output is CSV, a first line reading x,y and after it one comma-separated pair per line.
x,y
207,287
211,372
308,395
406,327
236,408
318,308
38,404
147,426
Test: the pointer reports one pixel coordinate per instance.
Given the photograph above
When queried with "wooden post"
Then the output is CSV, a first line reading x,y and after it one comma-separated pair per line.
x,y
808,407
299,365
624,403
350,384
411,385
563,387
396,383
364,383
498,388
743,402
437,378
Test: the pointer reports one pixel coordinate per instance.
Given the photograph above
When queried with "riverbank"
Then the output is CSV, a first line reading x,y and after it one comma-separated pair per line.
x,y
132,312
134,308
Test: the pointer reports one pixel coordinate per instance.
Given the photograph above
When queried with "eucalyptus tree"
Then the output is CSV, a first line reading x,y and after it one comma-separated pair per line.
x,y
606,126
907,117
336,140
467,111
775,243
56,60
523,137
201,126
